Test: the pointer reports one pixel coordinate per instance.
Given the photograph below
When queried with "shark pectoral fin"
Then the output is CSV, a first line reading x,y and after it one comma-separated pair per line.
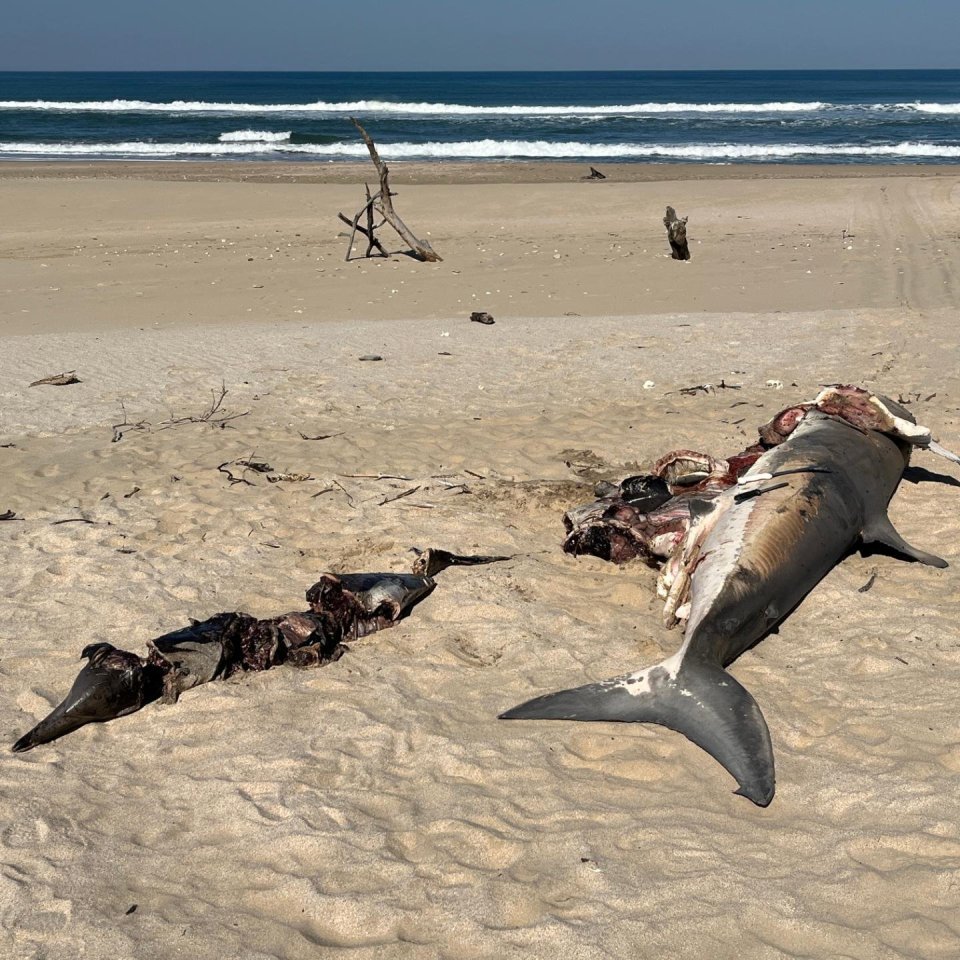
x,y
881,530
698,699
940,451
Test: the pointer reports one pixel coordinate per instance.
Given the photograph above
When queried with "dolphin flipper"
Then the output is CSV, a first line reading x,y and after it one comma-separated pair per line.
x,y
698,699
881,530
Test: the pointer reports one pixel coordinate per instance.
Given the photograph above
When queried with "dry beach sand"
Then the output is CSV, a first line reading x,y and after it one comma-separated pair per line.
x,y
376,808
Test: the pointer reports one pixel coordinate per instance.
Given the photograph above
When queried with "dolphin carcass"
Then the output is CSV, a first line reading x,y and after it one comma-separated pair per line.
x,y
740,543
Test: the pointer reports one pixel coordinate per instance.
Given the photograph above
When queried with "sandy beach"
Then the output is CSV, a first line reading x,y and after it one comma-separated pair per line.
x,y
375,808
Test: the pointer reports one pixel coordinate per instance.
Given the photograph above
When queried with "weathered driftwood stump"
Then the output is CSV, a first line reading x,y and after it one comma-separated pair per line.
x,y
677,234
382,203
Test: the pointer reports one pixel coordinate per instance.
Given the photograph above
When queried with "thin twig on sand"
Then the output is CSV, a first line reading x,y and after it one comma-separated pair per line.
x,y
214,414
119,429
399,496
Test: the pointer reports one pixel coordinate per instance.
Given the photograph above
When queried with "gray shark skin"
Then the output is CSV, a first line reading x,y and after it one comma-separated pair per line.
x,y
768,545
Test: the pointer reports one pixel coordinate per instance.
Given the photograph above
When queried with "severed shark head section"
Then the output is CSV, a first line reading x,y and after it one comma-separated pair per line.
x,y
691,696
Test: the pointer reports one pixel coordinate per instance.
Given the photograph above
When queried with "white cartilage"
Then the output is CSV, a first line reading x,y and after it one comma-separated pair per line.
x,y
754,478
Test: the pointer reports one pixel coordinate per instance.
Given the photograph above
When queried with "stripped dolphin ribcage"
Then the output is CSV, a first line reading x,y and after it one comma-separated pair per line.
x,y
739,542
342,607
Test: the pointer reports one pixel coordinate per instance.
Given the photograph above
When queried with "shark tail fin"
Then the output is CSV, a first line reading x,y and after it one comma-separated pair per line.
x,y
691,696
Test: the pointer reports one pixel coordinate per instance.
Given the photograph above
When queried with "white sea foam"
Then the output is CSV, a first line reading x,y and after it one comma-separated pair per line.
x,y
487,149
937,108
255,136
383,107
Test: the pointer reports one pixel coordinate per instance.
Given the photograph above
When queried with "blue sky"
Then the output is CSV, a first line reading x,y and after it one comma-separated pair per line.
x,y
479,34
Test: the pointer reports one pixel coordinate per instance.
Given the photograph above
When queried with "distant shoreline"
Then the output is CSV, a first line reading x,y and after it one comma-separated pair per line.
x,y
412,171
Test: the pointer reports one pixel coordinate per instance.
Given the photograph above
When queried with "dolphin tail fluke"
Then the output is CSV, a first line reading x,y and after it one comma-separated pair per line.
x,y
694,697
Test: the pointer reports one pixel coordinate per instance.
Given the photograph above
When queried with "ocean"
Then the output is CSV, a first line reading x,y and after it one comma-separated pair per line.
x,y
882,116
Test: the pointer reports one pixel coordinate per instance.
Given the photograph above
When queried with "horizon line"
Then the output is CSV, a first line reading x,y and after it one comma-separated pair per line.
x,y
507,71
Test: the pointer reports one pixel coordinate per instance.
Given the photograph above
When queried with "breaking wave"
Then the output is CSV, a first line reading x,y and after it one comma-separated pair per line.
x,y
387,107
935,108
480,149
254,136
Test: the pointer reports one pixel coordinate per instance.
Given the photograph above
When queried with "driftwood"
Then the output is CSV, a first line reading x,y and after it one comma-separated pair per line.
x,y
381,203
368,231
58,380
594,174
677,234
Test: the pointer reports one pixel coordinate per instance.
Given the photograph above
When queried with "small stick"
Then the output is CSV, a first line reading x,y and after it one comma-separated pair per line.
x,y
118,432
225,468
345,493
399,496
373,476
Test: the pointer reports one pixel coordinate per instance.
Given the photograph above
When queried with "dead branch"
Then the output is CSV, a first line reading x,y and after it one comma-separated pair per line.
x,y
119,429
382,201
368,233
677,235
372,241
213,414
